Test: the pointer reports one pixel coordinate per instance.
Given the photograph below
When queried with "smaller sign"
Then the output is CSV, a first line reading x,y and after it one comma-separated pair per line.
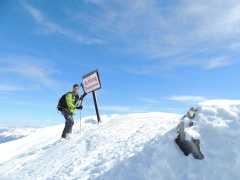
x,y
91,81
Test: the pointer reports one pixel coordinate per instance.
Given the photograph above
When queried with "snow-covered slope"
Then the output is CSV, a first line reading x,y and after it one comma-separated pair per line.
x,y
9,133
133,146
96,150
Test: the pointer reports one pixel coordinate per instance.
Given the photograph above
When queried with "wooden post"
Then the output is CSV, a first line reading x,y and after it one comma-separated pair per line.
x,y
96,106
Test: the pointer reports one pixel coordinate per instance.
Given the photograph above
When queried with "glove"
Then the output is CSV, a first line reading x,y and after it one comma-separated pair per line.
x,y
84,94
79,107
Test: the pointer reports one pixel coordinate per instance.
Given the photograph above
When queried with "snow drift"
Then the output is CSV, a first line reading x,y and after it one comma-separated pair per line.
x,y
217,125
133,146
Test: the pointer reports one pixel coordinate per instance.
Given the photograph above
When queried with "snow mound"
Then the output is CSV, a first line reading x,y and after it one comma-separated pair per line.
x,y
216,124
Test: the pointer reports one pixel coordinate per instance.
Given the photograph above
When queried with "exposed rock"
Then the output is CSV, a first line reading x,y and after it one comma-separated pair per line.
x,y
191,124
190,114
180,140
186,146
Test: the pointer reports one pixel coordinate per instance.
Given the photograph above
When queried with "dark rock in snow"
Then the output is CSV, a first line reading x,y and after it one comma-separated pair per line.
x,y
190,124
180,140
186,146
190,114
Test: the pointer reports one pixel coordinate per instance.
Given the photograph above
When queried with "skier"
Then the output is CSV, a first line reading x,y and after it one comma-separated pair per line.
x,y
72,102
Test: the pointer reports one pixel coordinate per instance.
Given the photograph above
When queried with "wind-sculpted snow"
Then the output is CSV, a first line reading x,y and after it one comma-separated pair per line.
x,y
134,146
217,125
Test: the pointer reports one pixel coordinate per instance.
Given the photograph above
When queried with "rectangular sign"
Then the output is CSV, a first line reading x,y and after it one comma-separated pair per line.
x,y
91,81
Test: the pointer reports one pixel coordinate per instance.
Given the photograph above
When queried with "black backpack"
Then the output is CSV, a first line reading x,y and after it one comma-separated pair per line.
x,y
62,102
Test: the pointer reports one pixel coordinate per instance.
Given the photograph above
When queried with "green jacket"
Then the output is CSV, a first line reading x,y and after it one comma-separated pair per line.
x,y
71,100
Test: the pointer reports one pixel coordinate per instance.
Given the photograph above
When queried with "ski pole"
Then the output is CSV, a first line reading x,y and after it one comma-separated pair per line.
x,y
87,100
82,87
80,121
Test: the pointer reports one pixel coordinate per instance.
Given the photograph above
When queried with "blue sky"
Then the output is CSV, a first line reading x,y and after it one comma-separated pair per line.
x,y
151,55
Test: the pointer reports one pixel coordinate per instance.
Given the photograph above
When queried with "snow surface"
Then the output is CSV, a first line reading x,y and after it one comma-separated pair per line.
x,y
132,146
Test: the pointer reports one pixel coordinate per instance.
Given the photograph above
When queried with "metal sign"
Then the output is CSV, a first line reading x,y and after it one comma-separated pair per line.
x,y
91,81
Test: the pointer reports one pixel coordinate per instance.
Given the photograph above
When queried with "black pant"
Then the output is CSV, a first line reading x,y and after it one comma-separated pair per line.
x,y
68,123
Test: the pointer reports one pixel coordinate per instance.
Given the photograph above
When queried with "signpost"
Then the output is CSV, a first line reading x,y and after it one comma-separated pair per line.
x,y
91,83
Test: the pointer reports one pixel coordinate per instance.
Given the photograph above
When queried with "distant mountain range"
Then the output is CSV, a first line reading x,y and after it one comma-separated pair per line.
x,y
11,133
